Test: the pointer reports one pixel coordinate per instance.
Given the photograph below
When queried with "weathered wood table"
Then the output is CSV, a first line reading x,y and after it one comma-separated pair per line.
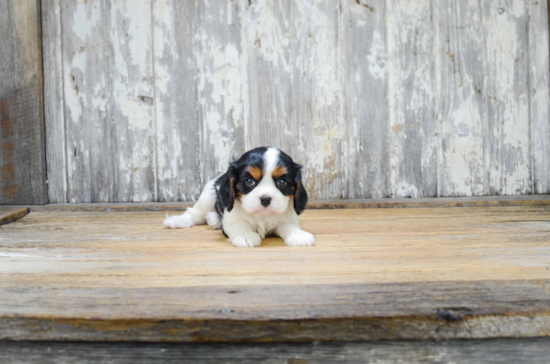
x,y
111,279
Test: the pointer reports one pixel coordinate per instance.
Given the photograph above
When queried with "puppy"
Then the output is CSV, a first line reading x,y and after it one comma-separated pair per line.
x,y
260,194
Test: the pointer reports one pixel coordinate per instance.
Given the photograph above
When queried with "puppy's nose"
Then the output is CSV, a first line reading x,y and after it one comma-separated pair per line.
x,y
265,200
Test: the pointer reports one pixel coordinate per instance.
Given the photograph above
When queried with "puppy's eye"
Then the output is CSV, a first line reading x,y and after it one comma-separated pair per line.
x,y
281,183
250,182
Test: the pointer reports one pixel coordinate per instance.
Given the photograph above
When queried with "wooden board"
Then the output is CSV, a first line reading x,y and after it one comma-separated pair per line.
x,y
414,133
499,351
507,106
460,97
11,215
54,112
539,81
493,201
373,274
178,143
22,145
364,57
375,98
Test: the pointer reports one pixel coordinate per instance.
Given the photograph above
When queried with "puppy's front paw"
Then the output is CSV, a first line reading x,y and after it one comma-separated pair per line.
x,y
247,240
300,238
178,222
213,220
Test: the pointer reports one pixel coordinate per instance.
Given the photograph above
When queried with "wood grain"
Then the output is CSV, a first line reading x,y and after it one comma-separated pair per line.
x,y
539,82
373,274
509,135
493,201
54,101
375,98
364,53
278,313
295,87
346,241
459,96
411,78
220,86
22,150
11,215
498,351
178,130
108,92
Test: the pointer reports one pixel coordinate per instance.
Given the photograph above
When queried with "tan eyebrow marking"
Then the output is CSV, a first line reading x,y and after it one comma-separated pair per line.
x,y
279,171
256,172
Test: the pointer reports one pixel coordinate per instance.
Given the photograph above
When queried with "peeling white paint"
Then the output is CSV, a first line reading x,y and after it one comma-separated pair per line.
x,y
88,17
407,191
219,88
376,57
540,94
374,101
413,137
510,169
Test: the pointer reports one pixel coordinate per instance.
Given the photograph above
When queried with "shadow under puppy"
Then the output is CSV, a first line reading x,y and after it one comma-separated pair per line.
x,y
260,194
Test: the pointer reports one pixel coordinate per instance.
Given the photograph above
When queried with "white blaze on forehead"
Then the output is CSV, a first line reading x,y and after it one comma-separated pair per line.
x,y
271,159
251,202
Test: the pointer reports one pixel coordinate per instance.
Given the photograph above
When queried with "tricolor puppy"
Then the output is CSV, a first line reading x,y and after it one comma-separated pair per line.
x,y
260,194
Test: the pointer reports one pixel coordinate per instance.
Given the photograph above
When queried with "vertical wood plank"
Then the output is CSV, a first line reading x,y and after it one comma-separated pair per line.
x,y
220,85
108,87
22,149
295,87
54,101
539,98
414,132
364,61
508,134
460,97
178,127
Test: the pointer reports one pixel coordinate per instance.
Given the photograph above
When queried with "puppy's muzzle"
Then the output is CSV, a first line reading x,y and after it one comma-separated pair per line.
x,y
265,201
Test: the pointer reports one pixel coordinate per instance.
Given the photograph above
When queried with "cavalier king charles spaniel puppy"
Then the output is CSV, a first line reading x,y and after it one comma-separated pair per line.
x,y
260,194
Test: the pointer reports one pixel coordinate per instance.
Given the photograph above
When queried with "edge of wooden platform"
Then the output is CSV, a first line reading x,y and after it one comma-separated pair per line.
x,y
12,214
502,351
491,201
349,312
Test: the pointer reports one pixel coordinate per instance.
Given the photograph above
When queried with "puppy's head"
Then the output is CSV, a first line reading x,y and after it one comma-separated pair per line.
x,y
265,180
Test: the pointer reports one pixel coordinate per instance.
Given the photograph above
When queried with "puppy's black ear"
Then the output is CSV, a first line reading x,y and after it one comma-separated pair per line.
x,y
300,196
227,189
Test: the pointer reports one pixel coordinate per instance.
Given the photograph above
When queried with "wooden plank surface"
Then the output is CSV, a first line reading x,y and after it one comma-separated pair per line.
x,y
22,149
278,313
376,98
498,351
492,201
373,274
11,215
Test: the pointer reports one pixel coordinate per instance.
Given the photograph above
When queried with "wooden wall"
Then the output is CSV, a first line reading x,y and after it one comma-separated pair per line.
x,y
147,100
22,148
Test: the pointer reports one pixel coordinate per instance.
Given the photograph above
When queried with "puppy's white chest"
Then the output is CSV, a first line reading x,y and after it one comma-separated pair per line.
x,y
265,225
